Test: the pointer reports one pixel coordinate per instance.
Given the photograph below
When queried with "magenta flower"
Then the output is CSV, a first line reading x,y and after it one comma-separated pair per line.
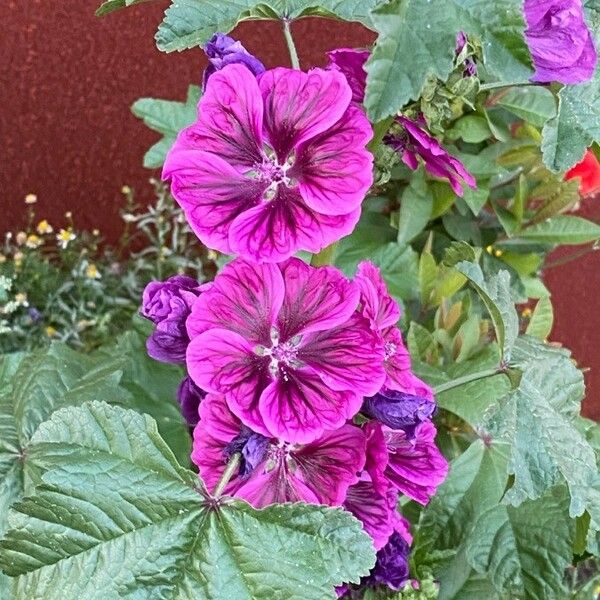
x,y
413,142
273,471
351,63
272,166
383,313
223,50
286,347
415,467
561,45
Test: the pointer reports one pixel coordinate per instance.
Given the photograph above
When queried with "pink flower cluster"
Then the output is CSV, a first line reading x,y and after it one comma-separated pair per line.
x,y
300,373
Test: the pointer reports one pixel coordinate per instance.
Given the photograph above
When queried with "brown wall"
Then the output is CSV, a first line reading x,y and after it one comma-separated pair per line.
x,y
67,80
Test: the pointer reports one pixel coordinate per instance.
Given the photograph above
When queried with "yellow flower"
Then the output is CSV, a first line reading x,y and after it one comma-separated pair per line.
x,y
33,241
44,227
489,249
64,236
21,238
30,199
212,255
126,189
91,272
18,259
527,312
498,253
50,331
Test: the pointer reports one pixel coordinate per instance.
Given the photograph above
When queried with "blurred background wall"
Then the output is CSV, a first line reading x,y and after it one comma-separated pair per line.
x,y
67,80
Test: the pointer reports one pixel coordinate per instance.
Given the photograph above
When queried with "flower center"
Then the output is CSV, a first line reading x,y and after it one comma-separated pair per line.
x,y
272,173
389,350
284,355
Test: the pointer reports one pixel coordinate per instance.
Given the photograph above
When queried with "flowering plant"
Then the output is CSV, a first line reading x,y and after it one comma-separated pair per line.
x,y
372,416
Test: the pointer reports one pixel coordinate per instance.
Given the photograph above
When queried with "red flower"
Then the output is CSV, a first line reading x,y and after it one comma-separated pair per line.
x,y
588,171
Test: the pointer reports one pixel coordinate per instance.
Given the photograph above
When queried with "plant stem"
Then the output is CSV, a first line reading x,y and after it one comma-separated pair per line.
x,y
325,257
232,465
289,40
450,385
571,257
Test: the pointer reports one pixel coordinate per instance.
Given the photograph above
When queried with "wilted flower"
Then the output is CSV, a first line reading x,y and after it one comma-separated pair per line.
x,y
20,238
167,304
272,166
560,42
351,63
223,50
285,346
64,236
413,142
271,470
588,172
469,64
43,227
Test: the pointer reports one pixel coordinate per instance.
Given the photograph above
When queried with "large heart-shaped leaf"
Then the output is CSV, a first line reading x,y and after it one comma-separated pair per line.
x,y
115,515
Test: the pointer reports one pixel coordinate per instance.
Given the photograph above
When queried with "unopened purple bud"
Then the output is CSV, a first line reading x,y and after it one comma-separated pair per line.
x,y
252,446
391,568
223,50
189,396
398,410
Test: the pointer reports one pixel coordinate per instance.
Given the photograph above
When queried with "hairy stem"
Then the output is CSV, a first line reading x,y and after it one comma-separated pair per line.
x,y
450,385
325,257
289,40
232,466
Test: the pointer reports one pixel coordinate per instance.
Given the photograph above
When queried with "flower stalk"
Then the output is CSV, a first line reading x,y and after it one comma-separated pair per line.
x,y
230,469
289,40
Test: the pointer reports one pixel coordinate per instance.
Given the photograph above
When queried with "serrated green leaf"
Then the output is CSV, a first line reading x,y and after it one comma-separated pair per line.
x,y
425,30
534,104
542,319
109,6
167,117
525,550
562,229
495,294
116,507
190,23
576,125
415,209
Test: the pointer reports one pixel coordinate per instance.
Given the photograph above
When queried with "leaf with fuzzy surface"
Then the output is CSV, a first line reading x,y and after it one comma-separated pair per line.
x,y
425,31
190,23
168,118
113,496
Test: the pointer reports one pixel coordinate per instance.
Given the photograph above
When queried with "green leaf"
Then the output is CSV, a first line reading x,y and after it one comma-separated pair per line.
x,y
428,273
168,118
534,104
425,30
473,129
576,125
457,252
109,6
525,550
190,23
152,387
495,294
476,198
546,447
115,505
415,209
562,229
542,319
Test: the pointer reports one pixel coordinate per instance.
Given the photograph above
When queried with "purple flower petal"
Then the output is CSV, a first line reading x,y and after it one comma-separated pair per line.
x,y
351,63
315,299
333,169
244,298
391,568
416,468
560,42
300,105
189,396
377,304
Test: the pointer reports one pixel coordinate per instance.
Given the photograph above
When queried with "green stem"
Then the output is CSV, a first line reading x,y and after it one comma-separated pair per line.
x,y
450,385
289,40
325,257
502,84
571,257
232,465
